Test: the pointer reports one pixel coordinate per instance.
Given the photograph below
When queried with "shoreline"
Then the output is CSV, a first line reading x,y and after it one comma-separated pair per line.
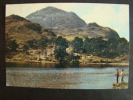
x,y
80,64
120,85
108,64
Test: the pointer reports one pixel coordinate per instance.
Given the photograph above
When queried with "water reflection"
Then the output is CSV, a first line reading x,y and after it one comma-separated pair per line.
x,y
30,65
54,65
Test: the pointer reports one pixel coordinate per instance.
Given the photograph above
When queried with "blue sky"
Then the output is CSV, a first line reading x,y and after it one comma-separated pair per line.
x,y
115,16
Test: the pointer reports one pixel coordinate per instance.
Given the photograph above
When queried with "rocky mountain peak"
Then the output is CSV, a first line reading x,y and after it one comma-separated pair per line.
x,y
50,8
55,18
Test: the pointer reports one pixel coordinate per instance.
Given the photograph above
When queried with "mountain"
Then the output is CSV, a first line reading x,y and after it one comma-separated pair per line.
x,y
54,18
22,30
69,24
90,30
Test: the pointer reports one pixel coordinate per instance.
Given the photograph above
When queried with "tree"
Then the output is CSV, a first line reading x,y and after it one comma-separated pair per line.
x,y
73,59
86,46
43,42
60,54
123,46
11,46
25,49
113,43
60,41
111,50
100,46
77,44
60,49
116,47
32,44
39,45
42,45
94,45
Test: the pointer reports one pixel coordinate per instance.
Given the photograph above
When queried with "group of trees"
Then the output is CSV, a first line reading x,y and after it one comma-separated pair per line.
x,y
90,46
110,48
39,45
60,49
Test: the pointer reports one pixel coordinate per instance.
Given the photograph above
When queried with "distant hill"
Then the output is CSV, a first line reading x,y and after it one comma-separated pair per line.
x,y
54,18
95,30
22,30
91,30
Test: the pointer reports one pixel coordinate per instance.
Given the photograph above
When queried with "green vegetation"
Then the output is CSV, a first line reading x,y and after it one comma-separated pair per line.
x,y
77,45
111,48
11,46
60,49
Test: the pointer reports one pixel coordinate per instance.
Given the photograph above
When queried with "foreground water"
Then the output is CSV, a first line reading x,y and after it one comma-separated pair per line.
x,y
63,78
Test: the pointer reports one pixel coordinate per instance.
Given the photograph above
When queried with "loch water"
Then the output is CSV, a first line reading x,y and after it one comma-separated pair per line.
x,y
36,76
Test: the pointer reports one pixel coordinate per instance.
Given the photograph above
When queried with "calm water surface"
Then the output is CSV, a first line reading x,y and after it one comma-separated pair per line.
x,y
25,75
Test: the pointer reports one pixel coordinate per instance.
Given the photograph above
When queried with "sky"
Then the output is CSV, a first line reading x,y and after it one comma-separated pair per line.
x,y
115,16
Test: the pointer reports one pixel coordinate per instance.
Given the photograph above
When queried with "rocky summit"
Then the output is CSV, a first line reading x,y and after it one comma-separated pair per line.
x,y
55,18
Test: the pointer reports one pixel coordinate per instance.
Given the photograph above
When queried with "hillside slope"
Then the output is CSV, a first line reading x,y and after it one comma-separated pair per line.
x,y
91,30
22,30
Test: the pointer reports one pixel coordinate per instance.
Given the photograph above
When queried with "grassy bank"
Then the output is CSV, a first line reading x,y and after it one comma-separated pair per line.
x,y
83,61
105,64
80,64
120,86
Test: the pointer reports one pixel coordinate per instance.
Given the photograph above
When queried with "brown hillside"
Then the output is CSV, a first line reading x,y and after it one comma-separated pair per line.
x,y
22,30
